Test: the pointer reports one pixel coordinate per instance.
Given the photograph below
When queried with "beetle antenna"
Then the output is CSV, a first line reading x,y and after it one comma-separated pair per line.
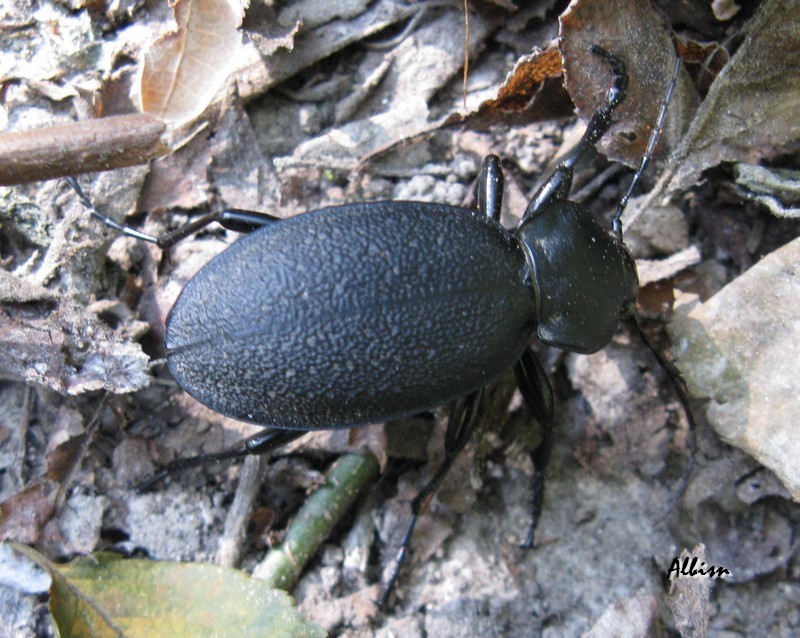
x,y
121,228
616,224
679,385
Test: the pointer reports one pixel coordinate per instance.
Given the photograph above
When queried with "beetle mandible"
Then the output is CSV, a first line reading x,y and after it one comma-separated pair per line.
x,y
367,312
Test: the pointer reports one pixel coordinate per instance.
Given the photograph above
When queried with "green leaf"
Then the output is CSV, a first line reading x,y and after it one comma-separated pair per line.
x,y
107,595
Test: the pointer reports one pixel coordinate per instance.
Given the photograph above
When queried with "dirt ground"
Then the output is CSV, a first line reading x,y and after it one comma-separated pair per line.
x,y
610,530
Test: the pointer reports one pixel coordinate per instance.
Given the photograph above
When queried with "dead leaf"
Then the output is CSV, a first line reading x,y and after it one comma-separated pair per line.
x,y
624,29
741,351
288,55
423,63
753,107
183,70
688,598
624,407
703,62
525,80
24,516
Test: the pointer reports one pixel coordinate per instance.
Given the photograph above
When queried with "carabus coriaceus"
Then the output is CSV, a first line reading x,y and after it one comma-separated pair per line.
x,y
368,312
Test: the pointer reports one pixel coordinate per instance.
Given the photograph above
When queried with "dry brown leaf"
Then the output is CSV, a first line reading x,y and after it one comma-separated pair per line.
x,y
753,107
625,29
183,70
703,61
525,80
23,517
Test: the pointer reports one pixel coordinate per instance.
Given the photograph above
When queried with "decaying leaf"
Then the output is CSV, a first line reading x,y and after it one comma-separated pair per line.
x,y
25,516
182,71
624,29
688,598
429,60
106,595
280,61
741,351
752,110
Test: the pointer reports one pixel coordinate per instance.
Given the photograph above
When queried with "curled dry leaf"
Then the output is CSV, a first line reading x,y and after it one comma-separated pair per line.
x,y
183,70
525,80
524,96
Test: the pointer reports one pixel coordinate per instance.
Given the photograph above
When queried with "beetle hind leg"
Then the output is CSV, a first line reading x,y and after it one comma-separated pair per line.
x,y
240,221
460,426
538,395
260,443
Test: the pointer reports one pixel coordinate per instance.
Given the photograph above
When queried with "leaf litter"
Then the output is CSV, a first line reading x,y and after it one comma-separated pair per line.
x,y
409,119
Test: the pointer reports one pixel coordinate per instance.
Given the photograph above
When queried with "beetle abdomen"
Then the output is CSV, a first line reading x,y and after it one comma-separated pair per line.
x,y
352,314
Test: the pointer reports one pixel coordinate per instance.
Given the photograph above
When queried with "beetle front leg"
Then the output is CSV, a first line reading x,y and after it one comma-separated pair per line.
x,y
490,188
460,426
559,184
538,394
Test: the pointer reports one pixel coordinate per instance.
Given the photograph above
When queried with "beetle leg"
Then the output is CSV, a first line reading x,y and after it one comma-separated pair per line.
x,y
490,188
259,443
460,427
538,394
240,221
679,385
558,185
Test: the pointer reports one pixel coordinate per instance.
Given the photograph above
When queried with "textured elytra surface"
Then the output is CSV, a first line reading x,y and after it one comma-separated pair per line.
x,y
352,314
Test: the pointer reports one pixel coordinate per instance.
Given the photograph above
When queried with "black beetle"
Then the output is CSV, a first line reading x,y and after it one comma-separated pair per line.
x,y
367,312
